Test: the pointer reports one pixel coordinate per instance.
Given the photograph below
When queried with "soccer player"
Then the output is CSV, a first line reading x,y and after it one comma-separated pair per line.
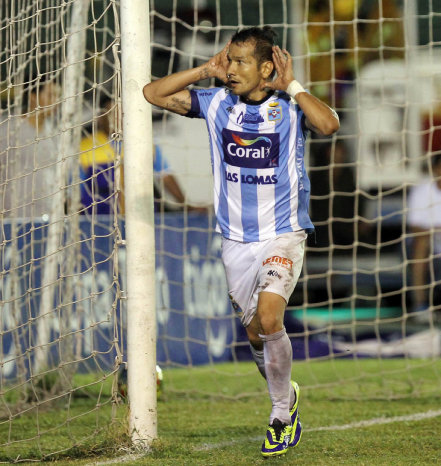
x,y
257,126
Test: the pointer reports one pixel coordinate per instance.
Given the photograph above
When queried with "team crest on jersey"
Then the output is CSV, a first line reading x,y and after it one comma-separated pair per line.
x,y
274,111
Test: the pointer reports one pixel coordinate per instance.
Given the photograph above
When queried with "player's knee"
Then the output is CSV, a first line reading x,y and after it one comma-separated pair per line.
x,y
270,324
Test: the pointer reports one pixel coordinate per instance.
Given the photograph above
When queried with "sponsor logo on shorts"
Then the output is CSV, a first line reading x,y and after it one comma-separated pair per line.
x,y
273,273
277,260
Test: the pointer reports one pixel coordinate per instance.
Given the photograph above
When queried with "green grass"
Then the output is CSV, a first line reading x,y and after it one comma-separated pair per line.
x,y
225,422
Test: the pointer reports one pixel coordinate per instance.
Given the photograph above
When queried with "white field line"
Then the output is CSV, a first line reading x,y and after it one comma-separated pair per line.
x,y
352,425
380,420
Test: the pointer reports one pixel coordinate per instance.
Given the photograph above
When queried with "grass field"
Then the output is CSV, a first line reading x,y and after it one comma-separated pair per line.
x,y
400,398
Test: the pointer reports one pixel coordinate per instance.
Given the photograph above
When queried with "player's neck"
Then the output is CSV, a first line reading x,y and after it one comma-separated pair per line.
x,y
256,98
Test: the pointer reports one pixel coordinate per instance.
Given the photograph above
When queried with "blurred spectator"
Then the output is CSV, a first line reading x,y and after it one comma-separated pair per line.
x,y
98,157
332,48
97,160
165,181
380,31
424,220
28,153
336,50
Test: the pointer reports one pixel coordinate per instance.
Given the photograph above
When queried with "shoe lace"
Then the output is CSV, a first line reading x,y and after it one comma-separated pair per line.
x,y
278,427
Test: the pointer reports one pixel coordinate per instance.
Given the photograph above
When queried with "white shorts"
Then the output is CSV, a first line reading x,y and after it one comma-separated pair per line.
x,y
272,265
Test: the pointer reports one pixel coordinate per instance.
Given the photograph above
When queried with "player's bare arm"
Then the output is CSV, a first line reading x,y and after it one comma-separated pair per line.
x,y
170,92
319,117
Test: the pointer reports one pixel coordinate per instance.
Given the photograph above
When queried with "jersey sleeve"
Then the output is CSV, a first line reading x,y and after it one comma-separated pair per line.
x,y
300,115
200,101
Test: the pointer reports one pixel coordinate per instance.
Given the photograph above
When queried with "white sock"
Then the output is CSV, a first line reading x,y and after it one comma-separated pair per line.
x,y
277,352
260,363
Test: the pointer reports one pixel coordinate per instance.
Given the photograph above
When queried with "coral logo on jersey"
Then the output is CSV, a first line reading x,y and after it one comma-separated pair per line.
x,y
250,150
274,111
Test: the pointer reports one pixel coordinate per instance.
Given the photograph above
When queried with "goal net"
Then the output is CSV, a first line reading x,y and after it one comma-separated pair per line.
x,y
370,266
61,336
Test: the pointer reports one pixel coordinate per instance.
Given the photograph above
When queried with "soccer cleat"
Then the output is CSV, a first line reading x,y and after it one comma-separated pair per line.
x,y
277,438
296,433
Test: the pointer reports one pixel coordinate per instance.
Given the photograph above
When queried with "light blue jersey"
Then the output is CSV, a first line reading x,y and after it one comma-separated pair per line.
x,y
261,188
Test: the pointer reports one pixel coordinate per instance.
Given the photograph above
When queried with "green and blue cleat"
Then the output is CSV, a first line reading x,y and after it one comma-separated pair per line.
x,y
278,436
296,433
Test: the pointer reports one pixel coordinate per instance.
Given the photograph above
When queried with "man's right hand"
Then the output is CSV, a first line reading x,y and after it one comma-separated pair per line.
x,y
217,66
171,93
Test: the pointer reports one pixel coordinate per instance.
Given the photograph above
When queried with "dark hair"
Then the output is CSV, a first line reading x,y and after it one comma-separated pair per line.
x,y
263,39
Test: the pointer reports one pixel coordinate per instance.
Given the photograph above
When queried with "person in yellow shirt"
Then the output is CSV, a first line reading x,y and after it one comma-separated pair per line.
x,y
98,161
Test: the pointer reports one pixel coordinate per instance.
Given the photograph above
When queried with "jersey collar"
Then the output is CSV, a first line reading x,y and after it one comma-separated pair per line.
x,y
256,102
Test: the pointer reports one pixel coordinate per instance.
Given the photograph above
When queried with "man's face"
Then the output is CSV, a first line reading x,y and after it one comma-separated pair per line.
x,y
244,72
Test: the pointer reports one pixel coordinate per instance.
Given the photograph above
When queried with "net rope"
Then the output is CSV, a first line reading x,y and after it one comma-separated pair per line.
x,y
60,312
355,296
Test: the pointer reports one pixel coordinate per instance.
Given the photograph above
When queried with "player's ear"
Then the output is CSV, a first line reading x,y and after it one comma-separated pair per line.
x,y
266,68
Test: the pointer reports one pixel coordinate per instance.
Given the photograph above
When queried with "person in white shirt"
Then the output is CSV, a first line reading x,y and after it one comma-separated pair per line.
x,y
424,221
28,154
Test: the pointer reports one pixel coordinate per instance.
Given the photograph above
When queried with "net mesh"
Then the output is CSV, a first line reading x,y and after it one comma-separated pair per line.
x,y
376,64
62,205
60,322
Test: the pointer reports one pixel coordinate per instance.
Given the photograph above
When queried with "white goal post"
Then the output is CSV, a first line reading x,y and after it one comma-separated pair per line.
x,y
63,288
140,224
